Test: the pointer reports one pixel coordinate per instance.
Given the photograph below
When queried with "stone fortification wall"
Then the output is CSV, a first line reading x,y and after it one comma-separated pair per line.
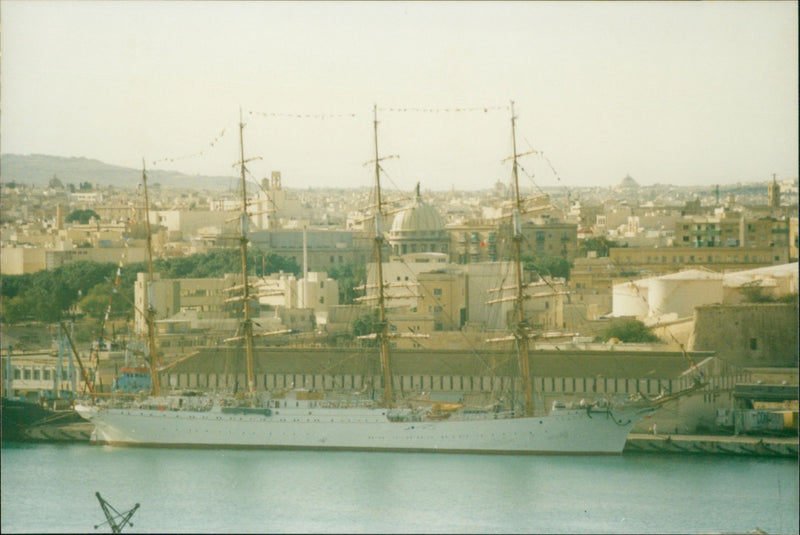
x,y
750,335
667,364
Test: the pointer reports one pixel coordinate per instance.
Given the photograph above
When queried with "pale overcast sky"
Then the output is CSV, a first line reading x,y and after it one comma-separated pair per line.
x,y
674,92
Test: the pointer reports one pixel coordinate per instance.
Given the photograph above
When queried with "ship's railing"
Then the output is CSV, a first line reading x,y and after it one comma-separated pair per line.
x,y
486,415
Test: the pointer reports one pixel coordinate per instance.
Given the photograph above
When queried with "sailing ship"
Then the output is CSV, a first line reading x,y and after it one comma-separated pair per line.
x,y
300,419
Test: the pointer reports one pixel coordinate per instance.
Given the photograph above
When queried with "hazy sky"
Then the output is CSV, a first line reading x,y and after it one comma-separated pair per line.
x,y
673,92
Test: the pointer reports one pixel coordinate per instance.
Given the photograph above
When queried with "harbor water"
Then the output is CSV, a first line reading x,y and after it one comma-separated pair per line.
x,y
50,488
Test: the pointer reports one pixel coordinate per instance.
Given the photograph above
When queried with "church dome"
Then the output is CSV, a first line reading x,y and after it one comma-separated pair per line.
x,y
418,228
418,219
628,183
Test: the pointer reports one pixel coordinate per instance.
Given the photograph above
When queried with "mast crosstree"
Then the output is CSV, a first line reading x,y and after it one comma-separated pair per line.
x,y
383,325
520,328
247,322
150,314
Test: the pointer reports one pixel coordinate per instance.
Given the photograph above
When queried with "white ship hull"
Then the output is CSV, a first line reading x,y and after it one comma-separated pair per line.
x,y
570,431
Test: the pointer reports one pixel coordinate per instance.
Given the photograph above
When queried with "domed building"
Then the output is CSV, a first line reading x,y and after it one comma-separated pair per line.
x,y
627,183
418,229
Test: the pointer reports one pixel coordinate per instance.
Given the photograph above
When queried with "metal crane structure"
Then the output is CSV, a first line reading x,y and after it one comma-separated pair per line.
x,y
114,518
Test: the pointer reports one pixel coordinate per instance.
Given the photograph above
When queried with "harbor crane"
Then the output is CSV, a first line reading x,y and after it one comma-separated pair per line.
x,y
116,520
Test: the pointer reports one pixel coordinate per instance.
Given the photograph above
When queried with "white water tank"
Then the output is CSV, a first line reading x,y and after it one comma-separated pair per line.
x,y
630,298
680,292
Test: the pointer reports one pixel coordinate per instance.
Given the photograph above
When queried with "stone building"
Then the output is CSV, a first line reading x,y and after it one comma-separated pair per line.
x,y
325,249
21,260
733,230
662,260
186,223
722,230
274,206
474,241
203,297
490,240
443,299
424,293
593,274
750,335
199,305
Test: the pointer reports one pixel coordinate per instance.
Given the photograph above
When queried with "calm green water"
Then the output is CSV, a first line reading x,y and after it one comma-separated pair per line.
x,y
50,488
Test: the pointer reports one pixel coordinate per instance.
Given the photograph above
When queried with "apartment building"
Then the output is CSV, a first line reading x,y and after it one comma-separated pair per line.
x,y
202,303
325,249
593,274
635,260
732,229
487,241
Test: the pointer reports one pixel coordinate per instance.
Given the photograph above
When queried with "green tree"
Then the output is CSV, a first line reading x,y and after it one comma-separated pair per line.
x,y
348,276
12,285
49,295
366,323
41,305
55,183
599,245
74,281
218,262
275,263
753,292
15,310
95,304
553,266
138,230
81,216
628,330
88,331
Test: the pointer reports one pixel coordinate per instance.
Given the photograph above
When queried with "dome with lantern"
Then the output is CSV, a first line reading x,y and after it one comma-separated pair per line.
x,y
418,229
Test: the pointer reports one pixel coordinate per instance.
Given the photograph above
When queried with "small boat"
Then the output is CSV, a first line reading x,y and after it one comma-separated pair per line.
x,y
25,416
21,415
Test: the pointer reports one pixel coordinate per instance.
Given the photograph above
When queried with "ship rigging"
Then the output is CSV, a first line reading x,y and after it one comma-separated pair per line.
x,y
302,419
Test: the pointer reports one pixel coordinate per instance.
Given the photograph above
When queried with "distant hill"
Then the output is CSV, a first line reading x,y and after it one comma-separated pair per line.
x,y
39,169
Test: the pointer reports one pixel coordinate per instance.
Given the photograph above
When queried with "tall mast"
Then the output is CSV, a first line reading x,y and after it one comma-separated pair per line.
x,y
247,323
151,309
383,326
520,332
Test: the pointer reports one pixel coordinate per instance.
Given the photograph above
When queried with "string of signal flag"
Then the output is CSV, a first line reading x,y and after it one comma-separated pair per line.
x,y
484,109
203,152
325,116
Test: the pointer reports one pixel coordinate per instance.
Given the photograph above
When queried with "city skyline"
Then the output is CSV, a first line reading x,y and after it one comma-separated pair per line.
x,y
670,93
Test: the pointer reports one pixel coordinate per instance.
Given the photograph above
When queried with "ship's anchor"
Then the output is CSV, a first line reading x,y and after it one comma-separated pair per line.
x,y
116,520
